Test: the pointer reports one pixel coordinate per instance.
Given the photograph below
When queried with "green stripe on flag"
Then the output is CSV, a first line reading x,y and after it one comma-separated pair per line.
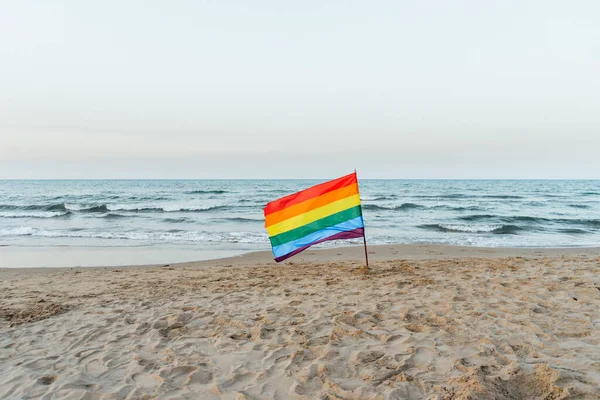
x,y
315,226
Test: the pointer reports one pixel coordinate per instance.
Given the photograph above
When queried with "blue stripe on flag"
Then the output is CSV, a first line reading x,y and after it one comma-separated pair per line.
x,y
349,225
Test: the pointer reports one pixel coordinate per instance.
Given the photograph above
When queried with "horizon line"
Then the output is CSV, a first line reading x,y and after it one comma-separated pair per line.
x,y
296,179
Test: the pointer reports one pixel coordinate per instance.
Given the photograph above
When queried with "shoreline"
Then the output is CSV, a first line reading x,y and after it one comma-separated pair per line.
x,y
348,254
101,256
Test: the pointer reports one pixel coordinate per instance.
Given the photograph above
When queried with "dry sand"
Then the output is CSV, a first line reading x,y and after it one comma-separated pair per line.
x,y
427,322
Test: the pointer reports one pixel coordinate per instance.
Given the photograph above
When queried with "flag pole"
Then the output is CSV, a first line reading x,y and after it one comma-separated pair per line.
x,y
364,235
365,242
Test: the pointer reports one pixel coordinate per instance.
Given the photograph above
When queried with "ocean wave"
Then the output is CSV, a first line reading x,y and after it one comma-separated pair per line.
x,y
497,218
404,206
59,207
114,216
173,235
34,214
441,196
477,217
591,193
579,206
499,196
276,191
414,206
194,210
166,209
207,192
246,203
378,197
95,209
528,219
143,198
384,198
593,223
469,196
456,208
239,219
513,219
573,231
536,204
458,228
177,220
136,209
105,208
54,207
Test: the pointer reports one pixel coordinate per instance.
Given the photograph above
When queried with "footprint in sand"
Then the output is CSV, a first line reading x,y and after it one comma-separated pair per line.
x,y
177,376
94,367
416,328
420,359
242,335
145,380
364,357
47,379
197,381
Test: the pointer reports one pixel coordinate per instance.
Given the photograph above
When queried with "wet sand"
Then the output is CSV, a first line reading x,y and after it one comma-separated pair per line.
x,y
426,322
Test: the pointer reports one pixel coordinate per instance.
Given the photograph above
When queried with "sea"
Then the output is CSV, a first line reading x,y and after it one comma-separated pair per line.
x,y
116,222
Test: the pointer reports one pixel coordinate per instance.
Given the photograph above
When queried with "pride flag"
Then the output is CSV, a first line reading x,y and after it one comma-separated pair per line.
x,y
329,211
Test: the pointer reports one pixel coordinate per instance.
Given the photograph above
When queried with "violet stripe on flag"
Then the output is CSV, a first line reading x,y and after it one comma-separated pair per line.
x,y
356,233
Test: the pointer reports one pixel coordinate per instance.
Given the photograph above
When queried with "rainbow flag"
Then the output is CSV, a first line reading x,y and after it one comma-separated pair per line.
x,y
329,211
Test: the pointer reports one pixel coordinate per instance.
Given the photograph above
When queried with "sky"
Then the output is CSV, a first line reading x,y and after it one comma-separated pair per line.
x,y
310,89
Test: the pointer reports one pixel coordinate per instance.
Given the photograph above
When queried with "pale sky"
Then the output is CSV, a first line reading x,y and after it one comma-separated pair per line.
x,y
303,89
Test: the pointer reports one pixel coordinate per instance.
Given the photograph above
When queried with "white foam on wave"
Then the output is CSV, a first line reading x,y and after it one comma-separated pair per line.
x,y
159,207
31,214
76,207
179,236
20,231
471,228
175,208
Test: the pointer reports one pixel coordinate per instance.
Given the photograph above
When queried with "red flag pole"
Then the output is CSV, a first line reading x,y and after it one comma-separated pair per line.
x,y
364,235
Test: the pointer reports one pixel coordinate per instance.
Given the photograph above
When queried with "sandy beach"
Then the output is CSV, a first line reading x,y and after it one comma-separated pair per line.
x,y
426,322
